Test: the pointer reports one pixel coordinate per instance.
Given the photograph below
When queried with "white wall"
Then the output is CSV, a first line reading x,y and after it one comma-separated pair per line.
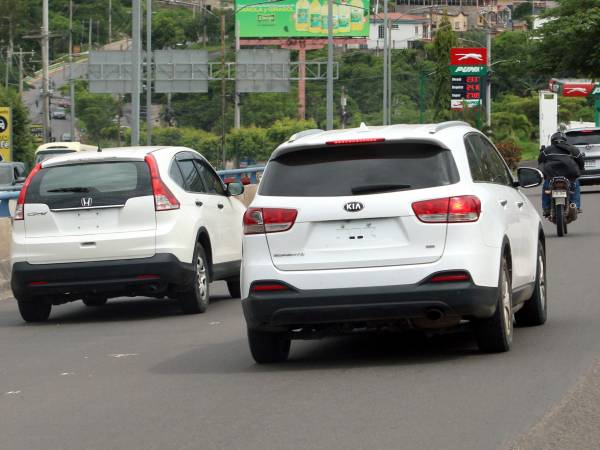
x,y
400,36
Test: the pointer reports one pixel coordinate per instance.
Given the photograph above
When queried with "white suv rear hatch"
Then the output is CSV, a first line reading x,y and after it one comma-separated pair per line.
x,y
325,185
90,211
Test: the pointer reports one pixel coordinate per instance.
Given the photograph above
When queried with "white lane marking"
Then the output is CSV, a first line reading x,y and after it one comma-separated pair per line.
x,y
12,393
123,355
67,373
215,323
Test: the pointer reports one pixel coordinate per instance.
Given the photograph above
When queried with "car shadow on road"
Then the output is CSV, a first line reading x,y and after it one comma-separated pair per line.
x,y
115,310
366,350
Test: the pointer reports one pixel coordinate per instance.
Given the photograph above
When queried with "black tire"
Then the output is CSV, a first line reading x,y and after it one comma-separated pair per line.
x,y
233,285
268,347
495,335
94,301
559,214
535,310
195,300
34,311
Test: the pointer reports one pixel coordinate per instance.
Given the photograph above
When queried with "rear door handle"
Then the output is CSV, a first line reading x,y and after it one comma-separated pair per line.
x,y
503,202
220,206
199,203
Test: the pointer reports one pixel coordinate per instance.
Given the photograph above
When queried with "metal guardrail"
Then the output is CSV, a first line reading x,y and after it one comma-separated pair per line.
x,y
250,172
5,197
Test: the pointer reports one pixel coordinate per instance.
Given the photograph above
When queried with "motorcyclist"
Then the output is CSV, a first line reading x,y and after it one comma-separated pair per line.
x,y
561,160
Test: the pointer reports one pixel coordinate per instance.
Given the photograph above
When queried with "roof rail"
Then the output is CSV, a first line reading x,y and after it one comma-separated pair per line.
x,y
452,123
304,133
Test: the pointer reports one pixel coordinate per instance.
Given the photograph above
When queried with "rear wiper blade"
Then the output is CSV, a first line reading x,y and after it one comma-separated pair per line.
x,y
70,189
371,188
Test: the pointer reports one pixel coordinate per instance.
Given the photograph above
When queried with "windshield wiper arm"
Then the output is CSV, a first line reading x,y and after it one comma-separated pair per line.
x,y
372,188
70,189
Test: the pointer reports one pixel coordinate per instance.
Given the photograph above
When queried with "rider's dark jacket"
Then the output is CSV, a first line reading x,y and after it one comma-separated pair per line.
x,y
561,160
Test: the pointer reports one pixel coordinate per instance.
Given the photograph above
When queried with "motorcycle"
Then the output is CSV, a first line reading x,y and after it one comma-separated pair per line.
x,y
562,211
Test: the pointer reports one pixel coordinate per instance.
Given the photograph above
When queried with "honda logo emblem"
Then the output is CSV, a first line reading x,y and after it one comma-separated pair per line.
x,y
86,202
354,206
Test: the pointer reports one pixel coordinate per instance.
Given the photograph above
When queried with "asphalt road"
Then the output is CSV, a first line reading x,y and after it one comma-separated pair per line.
x,y
136,374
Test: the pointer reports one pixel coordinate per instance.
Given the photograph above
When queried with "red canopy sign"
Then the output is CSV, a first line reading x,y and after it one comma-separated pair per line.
x,y
572,88
468,56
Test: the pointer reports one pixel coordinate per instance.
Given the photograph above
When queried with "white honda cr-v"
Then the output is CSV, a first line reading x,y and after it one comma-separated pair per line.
x,y
151,221
389,227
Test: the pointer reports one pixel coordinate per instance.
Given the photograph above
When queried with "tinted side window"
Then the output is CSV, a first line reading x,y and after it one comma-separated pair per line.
x,y
175,174
193,182
212,181
501,173
475,162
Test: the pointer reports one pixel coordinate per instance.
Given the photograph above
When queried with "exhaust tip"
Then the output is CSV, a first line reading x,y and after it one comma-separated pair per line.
x,y
434,314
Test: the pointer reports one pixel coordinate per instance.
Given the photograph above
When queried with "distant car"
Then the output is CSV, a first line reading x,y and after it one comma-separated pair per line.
x,y
12,176
588,141
132,221
65,137
59,114
384,228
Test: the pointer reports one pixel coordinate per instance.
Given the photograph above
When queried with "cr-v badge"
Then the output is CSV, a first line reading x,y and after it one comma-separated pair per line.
x,y
354,206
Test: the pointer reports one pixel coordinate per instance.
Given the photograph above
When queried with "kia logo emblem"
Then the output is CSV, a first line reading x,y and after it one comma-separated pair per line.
x,y
86,202
354,206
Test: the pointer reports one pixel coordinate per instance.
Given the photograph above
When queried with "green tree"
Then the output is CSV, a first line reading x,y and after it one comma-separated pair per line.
x,y
22,140
96,112
570,45
444,40
522,11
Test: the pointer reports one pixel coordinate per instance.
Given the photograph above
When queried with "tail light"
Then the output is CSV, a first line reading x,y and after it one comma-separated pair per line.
x,y
164,200
20,209
268,286
450,277
466,208
560,184
268,220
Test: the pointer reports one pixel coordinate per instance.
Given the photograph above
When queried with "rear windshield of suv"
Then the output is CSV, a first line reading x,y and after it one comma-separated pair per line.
x,y
358,170
106,184
584,137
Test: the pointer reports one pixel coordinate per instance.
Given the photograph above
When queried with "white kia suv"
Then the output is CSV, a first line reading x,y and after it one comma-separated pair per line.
x,y
379,228
151,221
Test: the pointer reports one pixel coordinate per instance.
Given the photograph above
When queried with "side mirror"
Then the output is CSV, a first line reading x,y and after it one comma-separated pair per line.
x,y
235,188
529,177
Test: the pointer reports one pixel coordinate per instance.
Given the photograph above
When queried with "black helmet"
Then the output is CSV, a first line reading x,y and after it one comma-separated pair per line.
x,y
558,138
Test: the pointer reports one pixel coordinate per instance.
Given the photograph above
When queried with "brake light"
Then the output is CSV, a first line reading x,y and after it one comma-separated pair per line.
x,y
465,208
355,141
268,220
20,209
164,200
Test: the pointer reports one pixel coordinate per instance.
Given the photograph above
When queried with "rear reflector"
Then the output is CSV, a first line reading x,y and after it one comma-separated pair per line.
x,y
268,220
465,208
268,287
164,200
38,283
355,141
450,277
20,209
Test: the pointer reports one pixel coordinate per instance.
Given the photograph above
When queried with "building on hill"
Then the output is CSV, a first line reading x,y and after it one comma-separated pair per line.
x,y
406,30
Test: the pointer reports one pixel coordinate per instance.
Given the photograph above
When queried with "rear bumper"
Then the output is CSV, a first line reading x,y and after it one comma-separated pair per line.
x,y
589,177
61,282
296,308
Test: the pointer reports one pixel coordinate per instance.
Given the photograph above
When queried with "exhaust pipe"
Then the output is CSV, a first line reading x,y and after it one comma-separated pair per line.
x,y
434,314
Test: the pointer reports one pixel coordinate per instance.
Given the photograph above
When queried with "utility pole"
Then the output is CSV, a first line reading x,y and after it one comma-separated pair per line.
x,y
237,114
223,151
488,91
136,47
329,64
9,54
389,99
110,21
71,82
90,36
148,72
385,62
20,54
45,73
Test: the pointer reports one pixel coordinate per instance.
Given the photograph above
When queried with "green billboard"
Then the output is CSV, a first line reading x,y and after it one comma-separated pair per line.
x,y
301,18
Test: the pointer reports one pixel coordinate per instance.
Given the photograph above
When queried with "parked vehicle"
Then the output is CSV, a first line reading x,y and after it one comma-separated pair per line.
x,y
562,211
588,141
12,176
52,149
124,222
390,227
59,114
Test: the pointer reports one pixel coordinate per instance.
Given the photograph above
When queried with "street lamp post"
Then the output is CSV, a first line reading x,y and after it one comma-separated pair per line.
x,y
329,64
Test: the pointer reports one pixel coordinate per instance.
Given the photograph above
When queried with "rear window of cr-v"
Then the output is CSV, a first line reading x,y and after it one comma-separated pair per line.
x,y
358,170
107,184
583,137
